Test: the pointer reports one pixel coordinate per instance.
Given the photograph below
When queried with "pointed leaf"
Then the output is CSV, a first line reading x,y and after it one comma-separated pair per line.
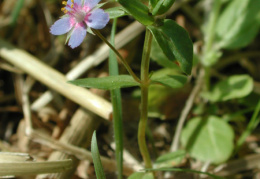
x,y
159,57
175,43
96,158
173,81
162,6
138,10
208,139
153,2
115,96
170,159
108,83
115,12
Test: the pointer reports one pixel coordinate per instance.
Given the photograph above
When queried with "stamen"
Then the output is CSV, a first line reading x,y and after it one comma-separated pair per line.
x,y
72,5
64,2
64,10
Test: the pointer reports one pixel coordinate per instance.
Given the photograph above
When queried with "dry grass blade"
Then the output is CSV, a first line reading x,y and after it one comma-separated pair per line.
x,y
9,157
233,167
30,168
54,79
78,135
80,153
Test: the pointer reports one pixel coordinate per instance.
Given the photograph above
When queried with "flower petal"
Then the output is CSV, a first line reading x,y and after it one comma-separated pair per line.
x,y
62,26
91,3
78,2
97,19
77,36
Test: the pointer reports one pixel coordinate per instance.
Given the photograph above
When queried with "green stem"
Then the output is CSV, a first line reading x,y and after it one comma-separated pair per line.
x,y
144,99
16,11
117,107
207,78
128,68
209,38
210,33
254,121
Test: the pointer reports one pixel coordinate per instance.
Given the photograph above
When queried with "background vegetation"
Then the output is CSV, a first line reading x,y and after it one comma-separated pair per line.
x,y
209,124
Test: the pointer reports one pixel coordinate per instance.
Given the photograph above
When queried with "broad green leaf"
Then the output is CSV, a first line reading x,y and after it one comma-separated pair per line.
x,y
108,83
208,139
115,12
141,175
96,158
239,24
170,159
173,81
153,2
162,6
236,86
138,10
175,43
158,56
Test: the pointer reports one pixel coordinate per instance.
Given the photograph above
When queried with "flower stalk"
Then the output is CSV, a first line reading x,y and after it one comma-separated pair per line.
x,y
145,82
128,68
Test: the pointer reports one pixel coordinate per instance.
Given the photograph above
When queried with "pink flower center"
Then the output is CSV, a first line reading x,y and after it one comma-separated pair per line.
x,y
79,12
79,16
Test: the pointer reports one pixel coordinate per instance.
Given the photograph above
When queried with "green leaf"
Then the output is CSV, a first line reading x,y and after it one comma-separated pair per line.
x,y
108,83
115,96
175,43
208,139
236,86
211,57
153,2
16,11
138,10
162,6
239,24
96,158
98,5
115,12
173,81
158,56
141,175
170,159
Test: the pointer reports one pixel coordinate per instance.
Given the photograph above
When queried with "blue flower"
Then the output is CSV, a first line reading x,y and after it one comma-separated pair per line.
x,y
79,16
